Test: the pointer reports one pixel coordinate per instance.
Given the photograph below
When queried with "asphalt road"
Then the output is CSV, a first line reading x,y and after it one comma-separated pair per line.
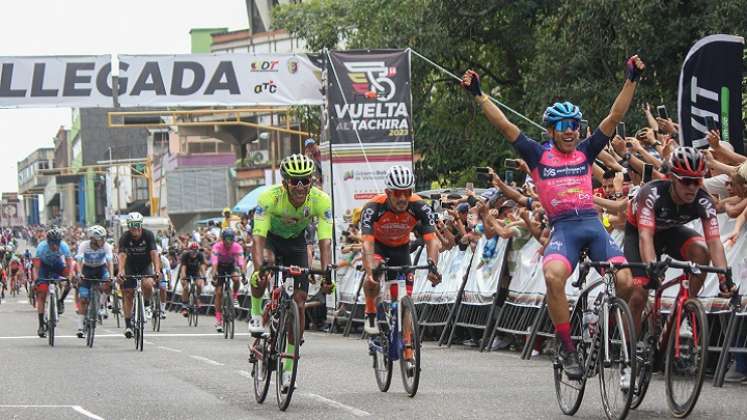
x,y
193,373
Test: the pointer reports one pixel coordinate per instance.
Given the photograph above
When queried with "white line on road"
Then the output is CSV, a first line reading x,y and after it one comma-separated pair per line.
x,y
77,408
86,413
206,360
244,374
352,410
120,335
169,349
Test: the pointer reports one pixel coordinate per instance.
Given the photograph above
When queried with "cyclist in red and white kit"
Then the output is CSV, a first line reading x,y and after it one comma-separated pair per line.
x,y
562,175
655,225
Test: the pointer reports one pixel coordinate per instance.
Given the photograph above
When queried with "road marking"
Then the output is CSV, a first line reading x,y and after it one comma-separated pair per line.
x,y
206,360
86,413
77,408
150,343
169,349
120,335
352,410
244,374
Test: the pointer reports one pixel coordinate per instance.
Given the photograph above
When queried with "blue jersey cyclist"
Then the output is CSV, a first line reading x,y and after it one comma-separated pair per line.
x,y
52,261
562,174
94,258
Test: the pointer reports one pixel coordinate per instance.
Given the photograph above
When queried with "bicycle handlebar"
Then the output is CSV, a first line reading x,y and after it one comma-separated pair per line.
x,y
396,268
661,266
296,270
94,280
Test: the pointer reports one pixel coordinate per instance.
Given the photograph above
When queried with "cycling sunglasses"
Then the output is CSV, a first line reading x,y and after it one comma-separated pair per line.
x,y
563,125
401,193
299,181
688,182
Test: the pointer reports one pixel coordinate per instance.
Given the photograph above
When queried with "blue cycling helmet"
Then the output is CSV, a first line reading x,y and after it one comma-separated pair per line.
x,y
560,111
228,233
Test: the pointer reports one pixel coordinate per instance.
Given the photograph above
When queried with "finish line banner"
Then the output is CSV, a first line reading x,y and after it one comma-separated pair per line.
x,y
159,81
711,86
368,123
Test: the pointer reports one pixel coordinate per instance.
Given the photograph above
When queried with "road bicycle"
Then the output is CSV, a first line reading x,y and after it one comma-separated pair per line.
x,y
52,316
193,304
604,334
399,336
138,318
227,305
92,314
681,336
269,351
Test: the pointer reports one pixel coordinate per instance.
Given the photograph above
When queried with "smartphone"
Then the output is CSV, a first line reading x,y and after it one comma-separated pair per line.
x,y
511,164
435,197
710,123
620,131
509,178
584,128
648,172
661,110
469,186
482,169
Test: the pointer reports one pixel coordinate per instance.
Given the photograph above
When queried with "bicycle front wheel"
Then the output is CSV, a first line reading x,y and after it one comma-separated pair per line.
x,y
261,368
616,358
686,357
90,332
156,311
51,318
570,393
115,307
409,359
644,361
140,323
287,361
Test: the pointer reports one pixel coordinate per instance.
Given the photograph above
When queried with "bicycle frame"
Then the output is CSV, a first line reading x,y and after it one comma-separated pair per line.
x,y
397,288
675,317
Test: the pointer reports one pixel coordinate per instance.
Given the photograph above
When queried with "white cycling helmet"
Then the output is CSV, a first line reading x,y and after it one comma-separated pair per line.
x,y
134,219
96,232
400,177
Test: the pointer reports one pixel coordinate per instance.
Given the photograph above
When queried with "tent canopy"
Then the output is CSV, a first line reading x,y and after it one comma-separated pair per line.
x,y
249,201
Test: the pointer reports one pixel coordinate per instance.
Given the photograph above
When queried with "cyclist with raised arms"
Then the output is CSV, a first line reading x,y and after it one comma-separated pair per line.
x,y
52,260
386,223
655,226
138,256
283,212
94,262
227,259
562,175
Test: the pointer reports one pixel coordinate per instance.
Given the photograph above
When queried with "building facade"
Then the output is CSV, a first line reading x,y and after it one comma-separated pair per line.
x,y
32,181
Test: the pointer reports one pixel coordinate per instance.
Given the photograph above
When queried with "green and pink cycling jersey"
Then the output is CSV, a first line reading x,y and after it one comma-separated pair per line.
x,y
563,182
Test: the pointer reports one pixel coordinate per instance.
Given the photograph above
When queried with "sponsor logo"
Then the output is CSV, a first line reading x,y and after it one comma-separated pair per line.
x,y
266,87
348,175
265,66
306,211
328,214
372,79
555,202
708,206
564,171
259,211
556,244
652,198
584,197
293,65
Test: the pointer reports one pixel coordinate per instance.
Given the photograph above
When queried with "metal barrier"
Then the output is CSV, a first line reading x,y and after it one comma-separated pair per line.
x,y
734,339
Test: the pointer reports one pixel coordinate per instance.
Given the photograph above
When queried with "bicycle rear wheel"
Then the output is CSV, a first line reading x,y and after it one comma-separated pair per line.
x,y
616,354
51,317
90,332
261,368
409,359
644,361
290,328
686,357
115,307
570,393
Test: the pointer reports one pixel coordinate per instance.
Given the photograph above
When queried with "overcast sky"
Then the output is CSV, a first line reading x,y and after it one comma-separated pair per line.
x,y
82,27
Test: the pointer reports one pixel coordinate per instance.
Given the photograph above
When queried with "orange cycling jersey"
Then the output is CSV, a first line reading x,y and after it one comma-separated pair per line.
x,y
379,223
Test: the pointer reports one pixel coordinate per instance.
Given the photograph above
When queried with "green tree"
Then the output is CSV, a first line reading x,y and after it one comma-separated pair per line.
x,y
528,52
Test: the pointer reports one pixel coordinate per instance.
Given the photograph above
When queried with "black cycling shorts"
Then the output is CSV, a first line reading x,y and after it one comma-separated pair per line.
x,y
393,256
225,270
673,242
130,283
291,251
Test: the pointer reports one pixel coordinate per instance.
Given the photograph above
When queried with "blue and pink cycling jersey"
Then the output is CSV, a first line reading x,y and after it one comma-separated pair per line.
x,y
233,256
564,187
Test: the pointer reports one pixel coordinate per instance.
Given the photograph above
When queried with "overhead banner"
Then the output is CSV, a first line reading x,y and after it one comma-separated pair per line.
x,y
160,80
711,86
56,81
368,121
218,79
